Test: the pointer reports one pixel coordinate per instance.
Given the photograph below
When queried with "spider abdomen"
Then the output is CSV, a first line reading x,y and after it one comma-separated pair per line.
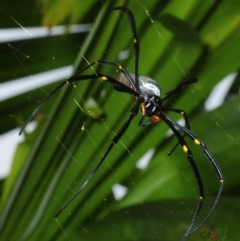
x,y
147,86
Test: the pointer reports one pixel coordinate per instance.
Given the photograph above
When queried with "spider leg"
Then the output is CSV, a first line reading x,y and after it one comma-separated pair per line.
x,y
78,77
153,121
174,148
198,178
216,167
104,62
119,66
187,124
181,86
114,141
40,105
136,43
180,111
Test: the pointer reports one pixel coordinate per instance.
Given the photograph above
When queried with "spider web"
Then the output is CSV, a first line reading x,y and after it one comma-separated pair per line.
x,y
140,192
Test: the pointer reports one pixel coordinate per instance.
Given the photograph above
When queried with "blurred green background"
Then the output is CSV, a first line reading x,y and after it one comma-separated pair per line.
x,y
178,39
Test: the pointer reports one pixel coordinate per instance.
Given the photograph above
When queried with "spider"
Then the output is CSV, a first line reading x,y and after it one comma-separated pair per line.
x,y
146,94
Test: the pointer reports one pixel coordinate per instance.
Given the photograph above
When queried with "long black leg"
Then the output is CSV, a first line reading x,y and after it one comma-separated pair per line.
x,y
78,77
119,66
103,62
174,148
187,124
213,162
39,106
114,141
179,111
198,178
136,43
181,86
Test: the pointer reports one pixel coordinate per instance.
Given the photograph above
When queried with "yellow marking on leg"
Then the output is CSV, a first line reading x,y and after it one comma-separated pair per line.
x,y
201,198
96,62
221,180
185,149
197,142
135,40
120,67
182,112
104,78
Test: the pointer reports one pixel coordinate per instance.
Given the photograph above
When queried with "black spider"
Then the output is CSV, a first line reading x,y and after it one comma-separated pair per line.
x,y
146,94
